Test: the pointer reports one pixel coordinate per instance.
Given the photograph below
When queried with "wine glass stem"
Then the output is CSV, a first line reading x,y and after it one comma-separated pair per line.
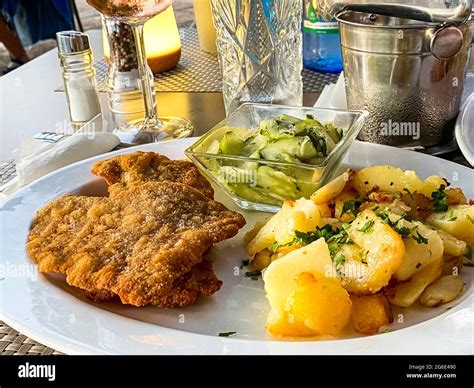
x,y
147,89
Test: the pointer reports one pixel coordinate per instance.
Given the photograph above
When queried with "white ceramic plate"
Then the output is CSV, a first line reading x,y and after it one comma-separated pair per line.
x,y
465,129
49,311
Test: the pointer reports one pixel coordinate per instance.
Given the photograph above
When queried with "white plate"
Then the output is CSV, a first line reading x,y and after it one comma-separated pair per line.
x,y
49,311
464,129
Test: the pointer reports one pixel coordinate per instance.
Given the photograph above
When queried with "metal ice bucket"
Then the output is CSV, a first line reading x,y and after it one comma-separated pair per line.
x,y
408,74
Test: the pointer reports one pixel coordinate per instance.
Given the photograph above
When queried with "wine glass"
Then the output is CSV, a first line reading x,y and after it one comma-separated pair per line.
x,y
150,129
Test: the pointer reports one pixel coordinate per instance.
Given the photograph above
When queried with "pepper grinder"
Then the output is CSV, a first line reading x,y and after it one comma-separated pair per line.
x,y
75,57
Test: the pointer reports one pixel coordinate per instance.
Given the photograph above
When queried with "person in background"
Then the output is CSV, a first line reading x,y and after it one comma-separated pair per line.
x,y
12,42
25,22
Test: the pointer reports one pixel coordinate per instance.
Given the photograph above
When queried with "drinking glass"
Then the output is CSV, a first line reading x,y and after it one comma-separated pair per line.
x,y
260,51
150,129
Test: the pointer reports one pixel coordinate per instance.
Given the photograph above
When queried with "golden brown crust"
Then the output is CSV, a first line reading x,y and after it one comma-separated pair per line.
x,y
124,171
144,244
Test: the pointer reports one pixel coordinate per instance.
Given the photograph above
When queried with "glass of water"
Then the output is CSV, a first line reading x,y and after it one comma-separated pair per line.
x,y
260,53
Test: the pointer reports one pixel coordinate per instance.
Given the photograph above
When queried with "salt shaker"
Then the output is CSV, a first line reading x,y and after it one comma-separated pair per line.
x,y
76,61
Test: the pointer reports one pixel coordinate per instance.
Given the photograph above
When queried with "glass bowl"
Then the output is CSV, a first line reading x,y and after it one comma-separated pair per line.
x,y
242,177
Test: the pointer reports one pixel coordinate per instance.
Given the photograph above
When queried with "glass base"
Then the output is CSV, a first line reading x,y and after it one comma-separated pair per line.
x,y
145,131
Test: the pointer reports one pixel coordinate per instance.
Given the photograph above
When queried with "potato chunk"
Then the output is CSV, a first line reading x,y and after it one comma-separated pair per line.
x,y
444,290
370,313
458,221
304,300
302,215
374,257
408,293
419,254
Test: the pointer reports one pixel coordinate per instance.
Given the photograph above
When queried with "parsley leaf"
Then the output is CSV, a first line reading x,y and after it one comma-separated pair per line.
x,y
419,238
367,227
227,333
439,199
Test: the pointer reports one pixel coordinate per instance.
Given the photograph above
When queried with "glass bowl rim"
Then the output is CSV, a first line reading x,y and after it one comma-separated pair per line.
x,y
361,116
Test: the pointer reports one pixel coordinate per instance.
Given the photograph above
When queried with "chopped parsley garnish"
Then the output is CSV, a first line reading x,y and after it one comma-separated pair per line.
x,y
367,226
352,206
439,199
349,207
339,261
470,218
252,274
452,217
227,333
404,231
333,237
419,238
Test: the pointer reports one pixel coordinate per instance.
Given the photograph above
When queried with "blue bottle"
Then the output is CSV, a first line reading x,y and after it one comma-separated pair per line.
x,y
321,44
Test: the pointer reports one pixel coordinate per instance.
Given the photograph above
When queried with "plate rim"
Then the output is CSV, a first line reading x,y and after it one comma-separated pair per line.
x,y
73,347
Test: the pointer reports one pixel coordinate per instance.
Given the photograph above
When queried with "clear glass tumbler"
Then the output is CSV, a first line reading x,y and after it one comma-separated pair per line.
x,y
260,52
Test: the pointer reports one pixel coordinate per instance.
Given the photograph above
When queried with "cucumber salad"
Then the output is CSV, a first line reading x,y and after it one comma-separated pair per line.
x,y
283,139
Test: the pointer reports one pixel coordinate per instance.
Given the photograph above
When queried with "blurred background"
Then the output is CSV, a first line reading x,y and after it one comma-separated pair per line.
x,y
38,20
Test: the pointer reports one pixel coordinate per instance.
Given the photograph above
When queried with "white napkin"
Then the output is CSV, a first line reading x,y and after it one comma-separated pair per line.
x,y
333,95
46,152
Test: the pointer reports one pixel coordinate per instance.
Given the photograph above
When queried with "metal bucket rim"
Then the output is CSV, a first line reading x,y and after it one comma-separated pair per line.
x,y
414,26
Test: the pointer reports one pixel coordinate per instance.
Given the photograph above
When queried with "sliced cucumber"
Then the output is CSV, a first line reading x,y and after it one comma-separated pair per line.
x,y
231,144
299,147
254,143
255,194
277,182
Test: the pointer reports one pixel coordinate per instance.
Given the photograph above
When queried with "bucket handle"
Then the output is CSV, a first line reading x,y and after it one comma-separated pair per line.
x,y
406,12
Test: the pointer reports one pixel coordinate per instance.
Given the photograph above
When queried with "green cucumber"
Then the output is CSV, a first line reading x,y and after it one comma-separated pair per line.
x,y
277,182
300,147
231,144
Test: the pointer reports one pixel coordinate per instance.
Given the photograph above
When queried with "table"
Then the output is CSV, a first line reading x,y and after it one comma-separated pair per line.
x,y
29,104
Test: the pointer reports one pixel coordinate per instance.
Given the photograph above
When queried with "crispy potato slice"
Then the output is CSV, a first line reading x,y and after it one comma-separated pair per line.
x,y
407,293
394,180
374,257
458,221
330,190
419,254
370,313
444,290
302,215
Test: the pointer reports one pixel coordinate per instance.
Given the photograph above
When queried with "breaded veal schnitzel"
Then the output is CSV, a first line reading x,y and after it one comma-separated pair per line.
x,y
144,244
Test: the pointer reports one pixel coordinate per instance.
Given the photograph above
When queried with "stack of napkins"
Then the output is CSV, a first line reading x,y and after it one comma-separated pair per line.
x,y
47,152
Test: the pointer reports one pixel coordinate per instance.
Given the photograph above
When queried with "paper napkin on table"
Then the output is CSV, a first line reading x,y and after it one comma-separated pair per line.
x,y
333,95
47,152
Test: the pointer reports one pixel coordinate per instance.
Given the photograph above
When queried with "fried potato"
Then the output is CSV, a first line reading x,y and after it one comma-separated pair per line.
x,y
394,180
304,300
374,257
419,254
331,189
444,290
407,293
458,221
370,313
452,246
302,215
343,198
